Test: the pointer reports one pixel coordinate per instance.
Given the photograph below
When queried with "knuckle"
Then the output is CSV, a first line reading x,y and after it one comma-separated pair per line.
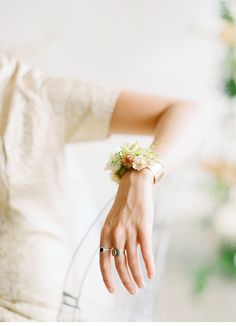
x,y
118,264
142,225
132,259
114,239
126,283
117,233
143,229
131,231
143,235
118,230
146,246
138,279
136,274
104,232
120,268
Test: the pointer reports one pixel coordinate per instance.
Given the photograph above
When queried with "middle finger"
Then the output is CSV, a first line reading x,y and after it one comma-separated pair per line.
x,y
121,266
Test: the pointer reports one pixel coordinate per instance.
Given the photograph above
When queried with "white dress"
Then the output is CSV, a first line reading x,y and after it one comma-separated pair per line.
x,y
39,115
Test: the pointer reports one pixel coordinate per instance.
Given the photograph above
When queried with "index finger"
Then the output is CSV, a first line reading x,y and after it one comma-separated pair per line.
x,y
105,262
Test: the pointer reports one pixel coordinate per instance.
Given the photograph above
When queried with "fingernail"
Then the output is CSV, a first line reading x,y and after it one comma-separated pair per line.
x,y
111,290
151,276
142,285
132,291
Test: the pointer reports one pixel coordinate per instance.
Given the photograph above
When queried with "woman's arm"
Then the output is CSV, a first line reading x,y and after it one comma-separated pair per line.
x,y
179,122
130,220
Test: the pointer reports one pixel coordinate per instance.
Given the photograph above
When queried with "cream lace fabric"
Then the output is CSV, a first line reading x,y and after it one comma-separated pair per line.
x,y
39,115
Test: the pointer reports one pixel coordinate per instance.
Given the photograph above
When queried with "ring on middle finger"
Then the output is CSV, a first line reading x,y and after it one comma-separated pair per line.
x,y
117,252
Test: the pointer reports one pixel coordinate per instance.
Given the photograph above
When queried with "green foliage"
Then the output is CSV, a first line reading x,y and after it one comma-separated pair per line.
x,y
121,171
230,87
223,264
219,189
229,80
226,261
225,12
229,65
202,278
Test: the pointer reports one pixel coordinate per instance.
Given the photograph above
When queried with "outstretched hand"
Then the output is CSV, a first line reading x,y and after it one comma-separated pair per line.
x,y
129,224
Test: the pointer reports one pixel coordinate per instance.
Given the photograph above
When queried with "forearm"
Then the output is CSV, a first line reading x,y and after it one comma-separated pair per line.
x,y
180,122
180,131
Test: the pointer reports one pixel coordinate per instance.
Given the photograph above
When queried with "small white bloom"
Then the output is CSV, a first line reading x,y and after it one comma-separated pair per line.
x,y
225,222
129,143
140,162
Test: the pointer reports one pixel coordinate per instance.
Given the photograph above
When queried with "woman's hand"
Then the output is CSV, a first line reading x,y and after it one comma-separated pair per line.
x,y
129,224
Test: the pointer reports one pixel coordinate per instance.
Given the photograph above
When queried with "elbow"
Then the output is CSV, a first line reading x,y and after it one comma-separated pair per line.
x,y
194,108
196,112
199,120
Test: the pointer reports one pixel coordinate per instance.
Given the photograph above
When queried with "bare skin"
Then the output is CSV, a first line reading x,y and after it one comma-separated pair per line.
x,y
129,223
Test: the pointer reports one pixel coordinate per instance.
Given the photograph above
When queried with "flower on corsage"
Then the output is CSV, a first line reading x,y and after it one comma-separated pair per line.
x,y
129,156
140,162
128,160
114,162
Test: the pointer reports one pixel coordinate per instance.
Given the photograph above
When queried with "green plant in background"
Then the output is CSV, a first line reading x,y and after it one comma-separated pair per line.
x,y
229,37
219,189
227,259
222,187
223,264
226,12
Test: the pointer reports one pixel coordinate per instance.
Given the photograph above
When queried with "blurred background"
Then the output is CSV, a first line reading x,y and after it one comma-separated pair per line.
x,y
182,48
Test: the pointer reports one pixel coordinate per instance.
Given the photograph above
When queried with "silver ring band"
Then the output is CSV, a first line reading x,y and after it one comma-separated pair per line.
x,y
117,252
103,249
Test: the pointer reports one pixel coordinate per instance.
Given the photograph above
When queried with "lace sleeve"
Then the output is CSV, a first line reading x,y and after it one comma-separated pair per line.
x,y
86,107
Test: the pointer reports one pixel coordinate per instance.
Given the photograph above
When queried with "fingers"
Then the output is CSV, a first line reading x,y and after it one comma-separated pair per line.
x,y
127,266
133,262
105,262
145,240
121,264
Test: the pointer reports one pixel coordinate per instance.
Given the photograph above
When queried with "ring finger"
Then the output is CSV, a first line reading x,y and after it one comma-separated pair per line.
x,y
133,262
105,263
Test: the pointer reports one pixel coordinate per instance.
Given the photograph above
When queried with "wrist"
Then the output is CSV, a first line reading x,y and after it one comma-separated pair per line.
x,y
135,183
142,162
143,176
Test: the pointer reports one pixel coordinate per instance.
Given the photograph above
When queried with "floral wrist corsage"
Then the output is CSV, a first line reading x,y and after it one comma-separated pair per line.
x,y
133,156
